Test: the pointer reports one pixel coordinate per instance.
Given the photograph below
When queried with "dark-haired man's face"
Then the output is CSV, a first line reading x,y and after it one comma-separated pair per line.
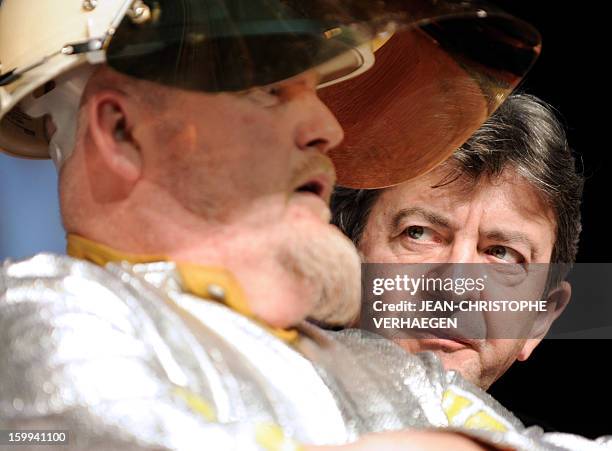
x,y
501,221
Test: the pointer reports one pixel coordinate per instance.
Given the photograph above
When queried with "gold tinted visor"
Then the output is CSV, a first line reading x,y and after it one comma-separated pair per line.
x,y
435,81
443,68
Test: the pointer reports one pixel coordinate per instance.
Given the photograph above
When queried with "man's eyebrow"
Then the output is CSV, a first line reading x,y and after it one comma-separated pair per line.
x,y
428,215
509,237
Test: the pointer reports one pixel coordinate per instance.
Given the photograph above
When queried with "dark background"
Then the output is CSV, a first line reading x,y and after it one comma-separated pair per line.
x,y
565,385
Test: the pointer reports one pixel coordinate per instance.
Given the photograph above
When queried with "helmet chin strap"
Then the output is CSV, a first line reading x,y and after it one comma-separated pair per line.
x,y
62,104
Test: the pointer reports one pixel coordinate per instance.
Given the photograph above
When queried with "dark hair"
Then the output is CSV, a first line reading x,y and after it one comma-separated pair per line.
x,y
525,135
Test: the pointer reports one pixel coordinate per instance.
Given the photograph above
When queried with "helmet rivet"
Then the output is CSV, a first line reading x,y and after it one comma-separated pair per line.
x,y
216,292
90,5
139,12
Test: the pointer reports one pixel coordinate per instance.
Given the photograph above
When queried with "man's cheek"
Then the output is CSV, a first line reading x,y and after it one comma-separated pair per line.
x,y
261,127
308,212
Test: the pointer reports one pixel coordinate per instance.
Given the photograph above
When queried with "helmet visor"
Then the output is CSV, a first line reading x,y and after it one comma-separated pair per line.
x,y
442,67
444,71
233,45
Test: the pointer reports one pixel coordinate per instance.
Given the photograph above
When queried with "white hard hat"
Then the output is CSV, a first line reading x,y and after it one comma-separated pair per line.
x,y
48,47
34,50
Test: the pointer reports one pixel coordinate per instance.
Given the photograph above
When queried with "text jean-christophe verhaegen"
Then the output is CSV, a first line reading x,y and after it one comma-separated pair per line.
x,y
415,286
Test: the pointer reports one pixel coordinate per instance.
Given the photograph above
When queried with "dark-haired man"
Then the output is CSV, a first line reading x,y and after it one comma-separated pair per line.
x,y
511,195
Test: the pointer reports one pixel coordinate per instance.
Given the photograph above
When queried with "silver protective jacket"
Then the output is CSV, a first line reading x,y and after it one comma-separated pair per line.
x,y
123,358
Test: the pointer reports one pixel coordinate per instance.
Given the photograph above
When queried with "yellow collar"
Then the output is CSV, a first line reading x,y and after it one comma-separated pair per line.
x,y
205,282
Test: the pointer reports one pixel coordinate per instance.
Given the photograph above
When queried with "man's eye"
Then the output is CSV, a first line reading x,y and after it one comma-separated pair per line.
x,y
415,232
265,95
419,233
273,90
505,254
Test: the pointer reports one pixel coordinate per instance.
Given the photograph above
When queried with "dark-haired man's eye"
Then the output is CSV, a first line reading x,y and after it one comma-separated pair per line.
x,y
505,254
415,232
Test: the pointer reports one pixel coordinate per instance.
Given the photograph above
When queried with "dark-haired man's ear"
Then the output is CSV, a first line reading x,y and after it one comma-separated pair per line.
x,y
557,300
110,128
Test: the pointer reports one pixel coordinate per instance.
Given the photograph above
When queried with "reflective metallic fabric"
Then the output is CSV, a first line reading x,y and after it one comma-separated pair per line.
x,y
124,359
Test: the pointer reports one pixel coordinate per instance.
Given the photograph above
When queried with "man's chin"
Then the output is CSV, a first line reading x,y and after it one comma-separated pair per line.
x,y
454,355
311,205
321,257
465,361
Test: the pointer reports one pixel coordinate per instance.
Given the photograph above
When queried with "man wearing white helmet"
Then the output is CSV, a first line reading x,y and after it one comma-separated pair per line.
x,y
194,182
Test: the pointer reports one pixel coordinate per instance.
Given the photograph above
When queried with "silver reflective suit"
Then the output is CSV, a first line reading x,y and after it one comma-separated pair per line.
x,y
123,358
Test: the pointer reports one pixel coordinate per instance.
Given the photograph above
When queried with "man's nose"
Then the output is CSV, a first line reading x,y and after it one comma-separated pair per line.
x,y
463,251
317,127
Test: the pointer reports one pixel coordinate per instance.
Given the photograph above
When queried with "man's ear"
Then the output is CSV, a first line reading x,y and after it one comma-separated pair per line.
x,y
557,300
111,122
